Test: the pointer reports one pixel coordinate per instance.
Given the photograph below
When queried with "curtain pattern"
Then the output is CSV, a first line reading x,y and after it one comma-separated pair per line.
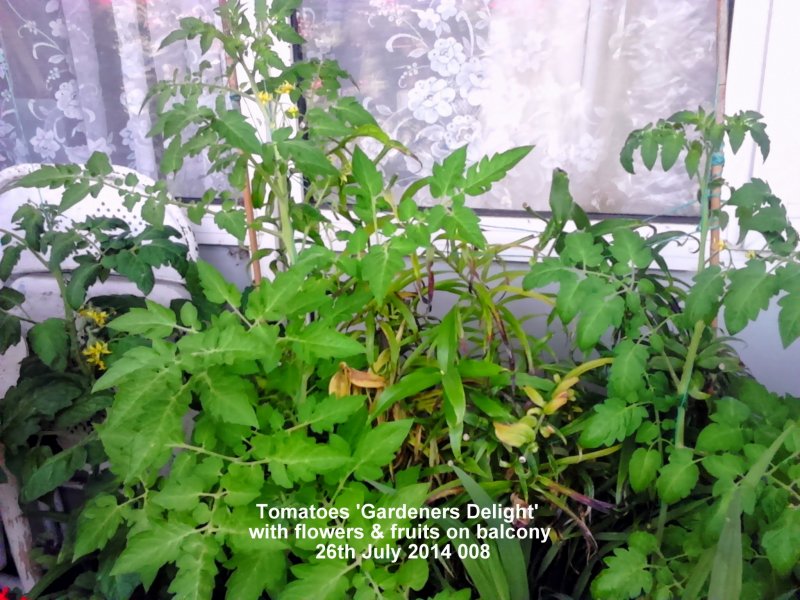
x,y
572,77
74,74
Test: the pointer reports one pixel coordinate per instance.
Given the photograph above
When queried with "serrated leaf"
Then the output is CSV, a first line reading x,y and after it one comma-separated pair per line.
x,y
649,149
580,250
297,457
197,568
235,130
155,321
628,369
333,410
782,542
703,300
319,340
79,281
789,319
273,299
149,550
611,422
379,268
322,581
53,472
671,146
255,573
549,270
215,287
643,467
468,225
227,397
378,448
626,576
488,170
630,251
749,292
50,341
366,173
97,523
599,313
145,421
693,156
449,175
677,479
233,221
11,255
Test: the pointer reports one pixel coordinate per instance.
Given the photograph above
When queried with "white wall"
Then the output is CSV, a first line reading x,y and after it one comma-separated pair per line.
x,y
763,75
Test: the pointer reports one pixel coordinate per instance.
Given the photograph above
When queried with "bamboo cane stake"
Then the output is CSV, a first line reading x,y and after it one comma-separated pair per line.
x,y
719,112
247,194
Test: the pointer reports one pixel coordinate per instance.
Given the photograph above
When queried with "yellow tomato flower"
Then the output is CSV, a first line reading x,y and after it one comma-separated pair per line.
x,y
94,354
100,317
264,97
720,246
285,88
292,112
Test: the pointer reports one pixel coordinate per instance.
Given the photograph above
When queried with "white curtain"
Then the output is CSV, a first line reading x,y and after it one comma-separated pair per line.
x,y
572,77
74,73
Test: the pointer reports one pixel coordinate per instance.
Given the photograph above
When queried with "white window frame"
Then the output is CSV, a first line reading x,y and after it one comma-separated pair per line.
x,y
752,43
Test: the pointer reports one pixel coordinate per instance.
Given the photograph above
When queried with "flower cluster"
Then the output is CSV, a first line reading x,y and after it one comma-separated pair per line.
x,y
94,353
99,317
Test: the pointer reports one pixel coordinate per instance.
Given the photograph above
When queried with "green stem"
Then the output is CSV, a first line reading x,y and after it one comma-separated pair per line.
x,y
686,379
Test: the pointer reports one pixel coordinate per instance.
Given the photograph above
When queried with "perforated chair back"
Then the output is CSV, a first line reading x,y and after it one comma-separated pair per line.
x,y
109,203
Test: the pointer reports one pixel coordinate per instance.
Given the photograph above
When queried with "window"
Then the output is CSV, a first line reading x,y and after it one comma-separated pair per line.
x,y
572,77
74,73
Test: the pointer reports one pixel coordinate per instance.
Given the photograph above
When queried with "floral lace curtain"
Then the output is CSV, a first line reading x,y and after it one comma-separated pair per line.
x,y
572,77
74,73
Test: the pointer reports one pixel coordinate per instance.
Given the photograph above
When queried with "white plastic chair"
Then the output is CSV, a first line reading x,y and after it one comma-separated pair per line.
x,y
30,277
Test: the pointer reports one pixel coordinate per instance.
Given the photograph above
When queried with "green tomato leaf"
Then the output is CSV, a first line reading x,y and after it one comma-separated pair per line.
x,y
97,523
749,292
227,397
79,281
50,341
782,542
322,581
720,437
255,573
789,318
297,457
318,340
233,221
449,175
378,448
483,174
628,369
53,472
154,322
626,576
197,568
703,301
677,479
379,269
216,288
643,467
236,131
612,422
149,550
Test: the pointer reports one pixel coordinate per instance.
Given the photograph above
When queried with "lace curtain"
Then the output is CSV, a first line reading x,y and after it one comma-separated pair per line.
x,y
74,73
572,77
